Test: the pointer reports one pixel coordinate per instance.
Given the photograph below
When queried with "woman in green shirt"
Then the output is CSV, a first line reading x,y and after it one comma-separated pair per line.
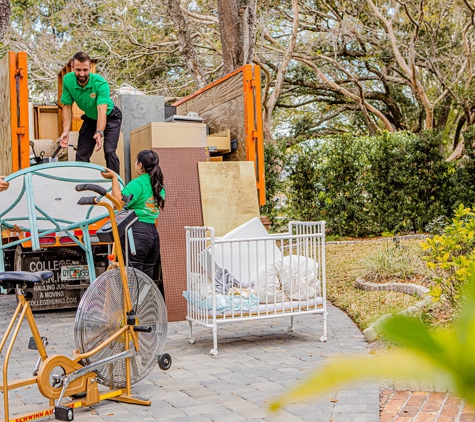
x,y
147,198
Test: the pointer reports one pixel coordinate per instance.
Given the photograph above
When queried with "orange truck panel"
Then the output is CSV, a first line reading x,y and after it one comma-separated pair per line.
x,y
19,110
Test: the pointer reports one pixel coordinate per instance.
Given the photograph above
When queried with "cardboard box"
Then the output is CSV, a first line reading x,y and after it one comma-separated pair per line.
x,y
165,135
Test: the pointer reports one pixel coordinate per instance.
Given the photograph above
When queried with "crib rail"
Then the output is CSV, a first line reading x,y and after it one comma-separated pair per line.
x,y
244,278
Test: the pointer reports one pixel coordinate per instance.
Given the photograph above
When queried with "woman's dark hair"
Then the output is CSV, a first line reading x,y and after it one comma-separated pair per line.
x,y
150,162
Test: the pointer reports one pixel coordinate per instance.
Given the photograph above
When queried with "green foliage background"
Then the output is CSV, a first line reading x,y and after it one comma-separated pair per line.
x,y
368,186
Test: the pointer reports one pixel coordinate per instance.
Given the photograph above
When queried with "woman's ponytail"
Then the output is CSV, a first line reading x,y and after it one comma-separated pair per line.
x,y
150,162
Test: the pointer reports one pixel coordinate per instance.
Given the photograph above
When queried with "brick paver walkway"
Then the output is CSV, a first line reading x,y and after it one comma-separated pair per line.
x,y
257,362
420,406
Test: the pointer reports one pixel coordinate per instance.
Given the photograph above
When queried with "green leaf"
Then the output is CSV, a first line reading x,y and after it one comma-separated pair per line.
x,y
413,334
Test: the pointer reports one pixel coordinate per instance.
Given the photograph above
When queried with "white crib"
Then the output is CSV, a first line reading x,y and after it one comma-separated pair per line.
x,y
241,278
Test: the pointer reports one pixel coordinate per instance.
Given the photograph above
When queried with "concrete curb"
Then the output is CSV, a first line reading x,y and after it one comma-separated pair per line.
x,y
372,333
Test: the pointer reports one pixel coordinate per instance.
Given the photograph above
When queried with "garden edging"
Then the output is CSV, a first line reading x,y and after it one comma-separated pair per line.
x,y
372,333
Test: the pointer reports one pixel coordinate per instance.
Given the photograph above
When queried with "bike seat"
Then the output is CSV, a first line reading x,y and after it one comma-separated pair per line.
x,y
12,278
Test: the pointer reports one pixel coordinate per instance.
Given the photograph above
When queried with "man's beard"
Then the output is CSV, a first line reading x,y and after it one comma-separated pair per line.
x,y
82,79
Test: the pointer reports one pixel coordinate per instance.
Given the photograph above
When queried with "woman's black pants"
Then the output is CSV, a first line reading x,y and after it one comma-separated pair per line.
x,y
147,247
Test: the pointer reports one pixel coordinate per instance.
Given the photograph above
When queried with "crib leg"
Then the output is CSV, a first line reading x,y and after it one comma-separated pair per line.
x,y
214,350
324,337
291,326
191,339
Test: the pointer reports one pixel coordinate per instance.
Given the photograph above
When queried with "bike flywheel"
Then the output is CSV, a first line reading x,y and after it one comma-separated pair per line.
x,y
101,313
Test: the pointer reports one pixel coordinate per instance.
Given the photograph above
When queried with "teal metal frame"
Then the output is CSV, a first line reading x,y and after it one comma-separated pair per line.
x,y
60,224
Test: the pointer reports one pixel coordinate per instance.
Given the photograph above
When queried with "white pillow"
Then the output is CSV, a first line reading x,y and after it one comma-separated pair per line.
x,y
268,285
298,277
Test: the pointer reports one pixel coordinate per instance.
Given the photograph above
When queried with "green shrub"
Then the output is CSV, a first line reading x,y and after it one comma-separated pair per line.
x,y
324,184
405,179
365,186
450,254
462,190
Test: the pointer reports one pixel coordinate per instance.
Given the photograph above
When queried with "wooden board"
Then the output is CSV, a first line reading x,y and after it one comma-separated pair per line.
x,y
228,194
5,116
234,102
214,97
46,122
222,107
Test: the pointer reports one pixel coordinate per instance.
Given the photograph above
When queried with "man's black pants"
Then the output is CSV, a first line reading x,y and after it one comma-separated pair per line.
x,y
86,142
147,247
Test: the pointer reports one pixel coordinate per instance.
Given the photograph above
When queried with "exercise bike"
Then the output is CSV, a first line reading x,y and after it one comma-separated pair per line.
x,y
119,330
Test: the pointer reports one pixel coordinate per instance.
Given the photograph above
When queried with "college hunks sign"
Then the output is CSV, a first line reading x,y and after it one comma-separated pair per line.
x,y
63,290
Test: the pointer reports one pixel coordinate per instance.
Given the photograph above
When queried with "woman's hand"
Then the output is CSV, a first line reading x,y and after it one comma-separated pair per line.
x,y
3,185
116,191
108,174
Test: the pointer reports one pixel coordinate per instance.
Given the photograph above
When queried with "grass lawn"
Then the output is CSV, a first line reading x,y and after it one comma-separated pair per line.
x,y
344,265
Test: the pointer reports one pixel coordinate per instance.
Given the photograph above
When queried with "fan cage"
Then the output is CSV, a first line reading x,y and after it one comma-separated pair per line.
x,y
101,313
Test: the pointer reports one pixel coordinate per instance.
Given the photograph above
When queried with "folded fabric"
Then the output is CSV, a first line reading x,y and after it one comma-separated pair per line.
x,y
224,303
224,281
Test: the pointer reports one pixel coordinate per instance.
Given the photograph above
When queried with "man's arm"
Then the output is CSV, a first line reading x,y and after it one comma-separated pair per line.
x,y
101,124
67,116
3,185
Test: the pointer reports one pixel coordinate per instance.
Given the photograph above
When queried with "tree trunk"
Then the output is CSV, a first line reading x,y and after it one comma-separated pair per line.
x,y
5,11
236,24
279,80
186,43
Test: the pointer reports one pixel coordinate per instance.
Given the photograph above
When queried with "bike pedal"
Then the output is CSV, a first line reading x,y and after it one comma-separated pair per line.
x,y
63,413
32,344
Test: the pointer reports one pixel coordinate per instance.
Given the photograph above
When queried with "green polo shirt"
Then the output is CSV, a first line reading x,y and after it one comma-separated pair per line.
x,y
143,201
87,98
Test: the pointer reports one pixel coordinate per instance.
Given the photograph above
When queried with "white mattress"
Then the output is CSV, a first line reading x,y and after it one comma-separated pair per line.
x,y
271,308
244,260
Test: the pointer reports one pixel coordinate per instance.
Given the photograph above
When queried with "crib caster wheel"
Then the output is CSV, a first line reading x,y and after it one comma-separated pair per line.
x,y
63,413
213,352
290,329
192,340
165,362
323,339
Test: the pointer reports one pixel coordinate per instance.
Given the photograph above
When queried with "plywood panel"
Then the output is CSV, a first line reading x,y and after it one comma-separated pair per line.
x,y
47,122
230,115
5,116
222,113
214,97
228,194
182,208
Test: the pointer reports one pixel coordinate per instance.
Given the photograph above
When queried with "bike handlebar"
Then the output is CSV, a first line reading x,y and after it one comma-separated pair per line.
x,y
87,200
90,186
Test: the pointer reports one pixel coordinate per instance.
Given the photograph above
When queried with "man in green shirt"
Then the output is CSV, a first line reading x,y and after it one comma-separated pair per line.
x,y
102,119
